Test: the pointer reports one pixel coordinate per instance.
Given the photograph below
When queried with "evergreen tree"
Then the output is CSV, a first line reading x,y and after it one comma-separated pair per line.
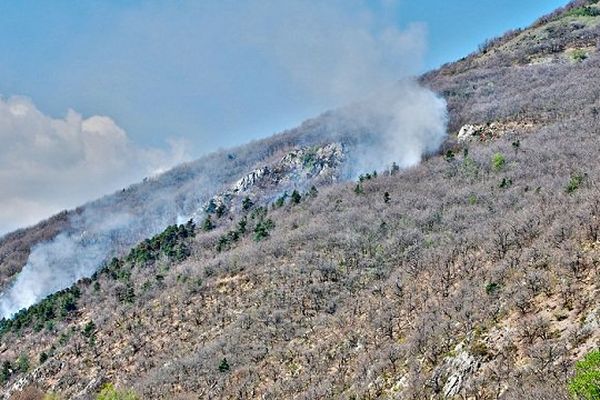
x,y
296,197
281,200
208,225
6,371
242,226
247,203
224,366
220,211
386,197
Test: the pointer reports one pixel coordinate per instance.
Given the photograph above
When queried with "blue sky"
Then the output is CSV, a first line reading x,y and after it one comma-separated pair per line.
x,y
96,95
148,64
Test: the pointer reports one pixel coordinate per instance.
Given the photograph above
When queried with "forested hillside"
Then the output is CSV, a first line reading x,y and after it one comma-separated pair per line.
x,y
473,275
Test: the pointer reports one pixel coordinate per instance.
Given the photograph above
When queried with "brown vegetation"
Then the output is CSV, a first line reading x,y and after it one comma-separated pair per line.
x,y
462,277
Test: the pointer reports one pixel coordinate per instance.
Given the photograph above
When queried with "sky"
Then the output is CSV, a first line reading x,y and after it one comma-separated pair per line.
x,y
98,94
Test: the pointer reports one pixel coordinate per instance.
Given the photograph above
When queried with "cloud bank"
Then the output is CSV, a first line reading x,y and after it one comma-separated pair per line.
x,y
49,164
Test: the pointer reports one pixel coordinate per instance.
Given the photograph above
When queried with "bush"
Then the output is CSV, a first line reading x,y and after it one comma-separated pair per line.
x,y
5,372
579,55
261,231
498,162
23,363
585,11
208,225
492,288
281,200
295,198
247,203
88,329
109,392
585,384
574,183
224,366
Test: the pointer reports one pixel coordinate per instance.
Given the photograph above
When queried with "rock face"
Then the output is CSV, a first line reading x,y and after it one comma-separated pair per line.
x,y
298,169
467,133
493,130
456,369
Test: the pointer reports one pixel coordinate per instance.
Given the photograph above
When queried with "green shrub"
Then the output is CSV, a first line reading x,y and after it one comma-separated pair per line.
x,y
585,11
574,183
310,158
469,167
505,183
492,288
221,210
585,385
5,372
247,203
208,225
88,329
23,363
498,162
109,392
472,199
295,198
579,55
242,226
262,228
281,200
226,240
224,366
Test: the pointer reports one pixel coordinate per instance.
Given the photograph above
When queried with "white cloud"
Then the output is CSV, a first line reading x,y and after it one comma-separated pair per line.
x,y
49,164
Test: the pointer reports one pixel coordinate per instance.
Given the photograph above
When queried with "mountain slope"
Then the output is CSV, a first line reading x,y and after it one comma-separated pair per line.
x,y
336,145
472,275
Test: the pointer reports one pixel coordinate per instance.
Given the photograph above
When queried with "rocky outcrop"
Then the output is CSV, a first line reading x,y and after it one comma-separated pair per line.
x,y
467,133
455,371
493,130
298,169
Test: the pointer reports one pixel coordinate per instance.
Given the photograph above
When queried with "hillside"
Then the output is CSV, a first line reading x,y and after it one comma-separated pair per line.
x,y
472,275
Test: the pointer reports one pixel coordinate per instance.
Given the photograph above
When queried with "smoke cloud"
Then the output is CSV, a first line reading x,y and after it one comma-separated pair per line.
x,y
50,164
320,53
399,124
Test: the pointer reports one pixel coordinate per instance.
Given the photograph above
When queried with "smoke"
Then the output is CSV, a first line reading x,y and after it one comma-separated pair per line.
x,y
41,276
329,54
399,125
99,231
50,164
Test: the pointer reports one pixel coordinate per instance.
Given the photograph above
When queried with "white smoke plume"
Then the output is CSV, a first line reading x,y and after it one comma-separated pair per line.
x,y
399,124
341,59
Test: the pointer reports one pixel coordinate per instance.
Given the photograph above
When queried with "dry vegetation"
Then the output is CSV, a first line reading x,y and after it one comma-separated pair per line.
x,y
474,275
